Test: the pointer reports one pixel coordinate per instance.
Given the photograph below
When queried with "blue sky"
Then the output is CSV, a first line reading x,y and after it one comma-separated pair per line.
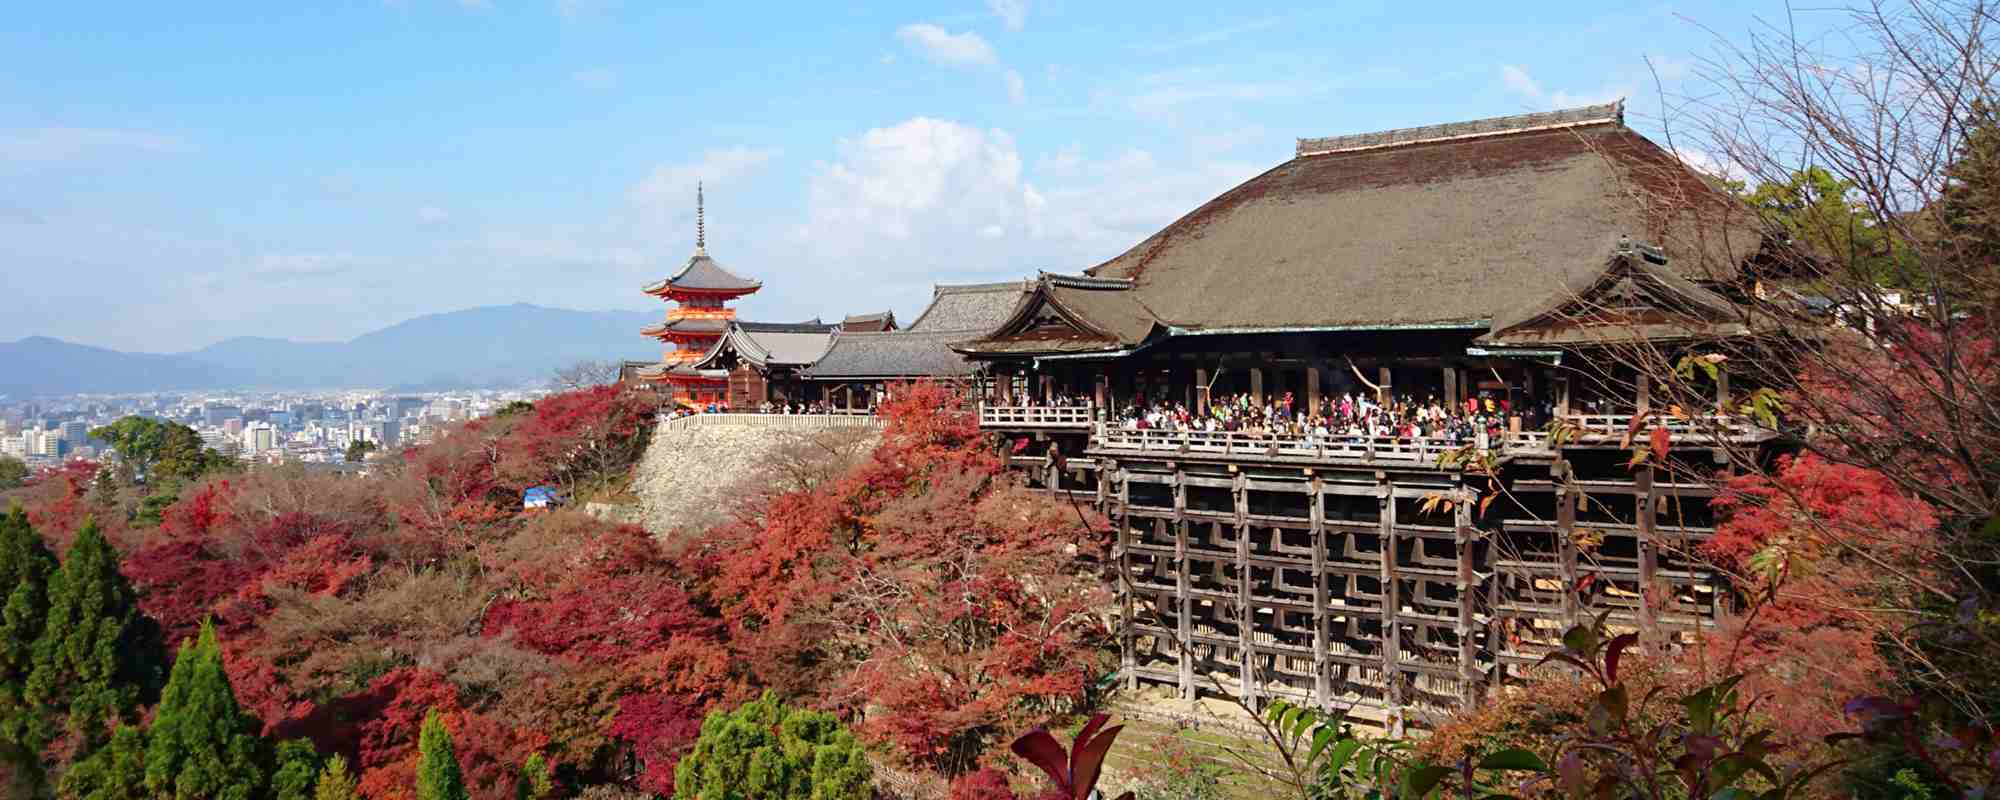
x,y
180,173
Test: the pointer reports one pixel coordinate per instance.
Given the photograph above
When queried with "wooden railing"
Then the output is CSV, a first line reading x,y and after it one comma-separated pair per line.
x,y
1247,445
1698,428
1078,417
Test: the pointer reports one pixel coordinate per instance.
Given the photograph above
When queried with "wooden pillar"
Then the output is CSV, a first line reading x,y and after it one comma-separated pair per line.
x,y
1649,556
1245,638
1721,391
1312,388
1048,389
1128,660
1257,385
1469,685
1567,498
1183,590
1392,603
1383,394
1201,391
1322,685
1562,396
1451,384
1645,392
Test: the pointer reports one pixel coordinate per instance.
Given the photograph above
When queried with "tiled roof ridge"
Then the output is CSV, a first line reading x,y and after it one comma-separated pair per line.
x,y
1086,281
1612,112
968,288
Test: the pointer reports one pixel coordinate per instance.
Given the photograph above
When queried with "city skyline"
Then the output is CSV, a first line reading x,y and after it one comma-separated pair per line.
x,y
315,173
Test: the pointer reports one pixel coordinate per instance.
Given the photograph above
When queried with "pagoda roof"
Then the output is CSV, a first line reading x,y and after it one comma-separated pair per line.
x,y
1448,226
693,325
703,274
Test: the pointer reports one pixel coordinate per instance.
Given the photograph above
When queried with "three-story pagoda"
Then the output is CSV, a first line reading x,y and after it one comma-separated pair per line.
x,y
701,292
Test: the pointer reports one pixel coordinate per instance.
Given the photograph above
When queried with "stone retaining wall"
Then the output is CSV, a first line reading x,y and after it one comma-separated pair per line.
x,y
695,464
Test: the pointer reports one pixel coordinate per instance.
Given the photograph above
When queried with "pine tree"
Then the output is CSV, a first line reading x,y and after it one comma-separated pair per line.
x,y
535,783
335,783
296,767
438,776
98,656
25,568
116,771
202,745
764,749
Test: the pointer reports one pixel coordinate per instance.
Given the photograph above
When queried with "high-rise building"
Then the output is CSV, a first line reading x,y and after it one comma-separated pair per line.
x,y
217,413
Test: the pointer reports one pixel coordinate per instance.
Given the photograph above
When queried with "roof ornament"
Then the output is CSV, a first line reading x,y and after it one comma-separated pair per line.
x,y
700,232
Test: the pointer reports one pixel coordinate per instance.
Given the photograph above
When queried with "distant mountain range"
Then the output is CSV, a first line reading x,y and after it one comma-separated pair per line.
x,y
474,348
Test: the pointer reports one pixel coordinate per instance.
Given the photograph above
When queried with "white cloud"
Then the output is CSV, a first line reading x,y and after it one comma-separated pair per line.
x,y
1017,89
1012,12
962,51
595,78
59,144
672,185
1518,81
948,49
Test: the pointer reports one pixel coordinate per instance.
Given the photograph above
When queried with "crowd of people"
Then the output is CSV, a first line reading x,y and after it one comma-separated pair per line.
x,y
1343,417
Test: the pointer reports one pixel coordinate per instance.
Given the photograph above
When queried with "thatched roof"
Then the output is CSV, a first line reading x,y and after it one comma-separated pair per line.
x,y
1635,296
1447,226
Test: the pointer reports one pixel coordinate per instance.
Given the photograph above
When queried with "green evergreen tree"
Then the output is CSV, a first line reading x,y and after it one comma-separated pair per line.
x,y
438,776
335,782
202,745
26,566
535,783
116,771
295,771
98,657
13,472
766,751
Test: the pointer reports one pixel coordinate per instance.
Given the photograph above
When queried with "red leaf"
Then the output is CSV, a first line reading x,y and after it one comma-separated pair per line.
x,y
1089,759
1614,651
1661,440
1037,747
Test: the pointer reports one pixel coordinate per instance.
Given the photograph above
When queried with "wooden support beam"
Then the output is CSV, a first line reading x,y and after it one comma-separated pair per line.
x,y
1384,391
1644,391
1451,385
1246,640
1201,391
1721,391
1312,389
1322,685
1649,556
1470,688
1392,604
1562,396
1567,498
1128,660
1257,385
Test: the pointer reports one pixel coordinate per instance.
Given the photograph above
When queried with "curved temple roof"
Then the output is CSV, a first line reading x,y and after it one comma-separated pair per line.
x,y
1445,226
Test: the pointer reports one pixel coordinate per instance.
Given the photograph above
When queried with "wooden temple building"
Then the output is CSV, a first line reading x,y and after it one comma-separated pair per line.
x,y
1500,262
1495,264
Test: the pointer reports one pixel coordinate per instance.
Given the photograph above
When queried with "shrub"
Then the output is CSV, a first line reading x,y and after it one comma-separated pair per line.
x,y
768,751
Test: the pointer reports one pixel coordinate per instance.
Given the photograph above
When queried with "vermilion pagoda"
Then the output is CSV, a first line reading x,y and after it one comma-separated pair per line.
x,y
701,291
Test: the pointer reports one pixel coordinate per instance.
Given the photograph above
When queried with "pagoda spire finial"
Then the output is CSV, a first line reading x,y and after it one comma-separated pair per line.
x,y
700,225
